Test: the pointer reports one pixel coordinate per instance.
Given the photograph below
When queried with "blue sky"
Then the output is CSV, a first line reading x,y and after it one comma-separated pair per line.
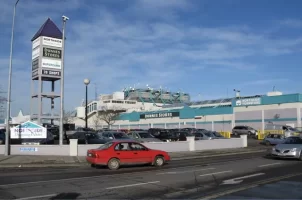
x,y
206,47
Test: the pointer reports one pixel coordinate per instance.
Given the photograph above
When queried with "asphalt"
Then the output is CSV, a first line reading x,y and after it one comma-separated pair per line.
x,y
183,179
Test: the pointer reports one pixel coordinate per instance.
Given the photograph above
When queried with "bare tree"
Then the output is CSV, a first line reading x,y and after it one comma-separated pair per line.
x,y
96,121
68,116
109,116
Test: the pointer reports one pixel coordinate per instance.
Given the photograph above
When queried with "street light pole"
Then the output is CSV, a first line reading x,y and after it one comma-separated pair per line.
x,y
62,82
7,135
86,82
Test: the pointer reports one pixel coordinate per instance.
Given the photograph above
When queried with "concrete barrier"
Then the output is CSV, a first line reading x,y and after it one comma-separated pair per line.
x,y
219,144
81,150
169,146
52,150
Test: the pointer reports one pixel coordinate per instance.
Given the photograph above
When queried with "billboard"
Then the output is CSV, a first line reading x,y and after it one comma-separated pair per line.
x,y
48,63
52,42
51,72
28,130
52,53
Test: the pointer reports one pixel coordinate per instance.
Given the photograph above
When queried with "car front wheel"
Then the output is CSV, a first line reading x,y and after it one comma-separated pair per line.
x,y
159,161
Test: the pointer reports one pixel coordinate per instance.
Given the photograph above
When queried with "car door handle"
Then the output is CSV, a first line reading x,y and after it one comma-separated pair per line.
x,y
118,153
135,153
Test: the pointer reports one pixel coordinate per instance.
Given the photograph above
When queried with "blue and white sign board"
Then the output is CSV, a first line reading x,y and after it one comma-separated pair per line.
x,y
248,102
22,149
28,130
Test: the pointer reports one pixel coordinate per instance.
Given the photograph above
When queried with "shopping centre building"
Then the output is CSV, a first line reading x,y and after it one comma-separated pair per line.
x,y
145,108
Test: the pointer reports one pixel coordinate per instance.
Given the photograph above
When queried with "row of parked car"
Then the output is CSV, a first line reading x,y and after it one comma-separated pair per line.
x,y
150,135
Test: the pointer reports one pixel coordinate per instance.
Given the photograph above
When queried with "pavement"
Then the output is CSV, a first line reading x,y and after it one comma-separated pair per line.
x,y
74,161
220,177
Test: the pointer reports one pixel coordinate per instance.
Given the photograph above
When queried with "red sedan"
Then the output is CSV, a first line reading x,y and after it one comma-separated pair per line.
x,y
116,153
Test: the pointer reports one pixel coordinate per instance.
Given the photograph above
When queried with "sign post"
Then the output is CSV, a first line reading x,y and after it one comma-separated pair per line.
x,y
47,64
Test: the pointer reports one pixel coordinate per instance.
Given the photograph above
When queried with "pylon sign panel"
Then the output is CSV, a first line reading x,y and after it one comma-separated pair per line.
x,y
46,58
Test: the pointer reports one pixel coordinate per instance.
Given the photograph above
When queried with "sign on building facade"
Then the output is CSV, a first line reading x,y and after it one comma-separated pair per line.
x,y
248,102
159,115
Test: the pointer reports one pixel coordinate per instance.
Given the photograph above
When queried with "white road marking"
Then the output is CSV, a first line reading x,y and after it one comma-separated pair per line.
x,y
271,164
86,177
239,179
37,197
222,172
182,172
132,185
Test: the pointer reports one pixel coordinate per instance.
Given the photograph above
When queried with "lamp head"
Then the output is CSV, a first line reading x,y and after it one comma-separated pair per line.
x,y
86,81
65,18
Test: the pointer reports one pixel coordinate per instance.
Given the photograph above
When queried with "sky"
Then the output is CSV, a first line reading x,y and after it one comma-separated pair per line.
x,y
205,48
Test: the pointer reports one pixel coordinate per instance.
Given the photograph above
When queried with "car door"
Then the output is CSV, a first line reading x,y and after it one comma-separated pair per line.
x,y
141,154
124,154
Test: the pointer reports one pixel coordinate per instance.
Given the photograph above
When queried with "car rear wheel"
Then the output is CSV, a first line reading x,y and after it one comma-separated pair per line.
x,y
114,164
159,161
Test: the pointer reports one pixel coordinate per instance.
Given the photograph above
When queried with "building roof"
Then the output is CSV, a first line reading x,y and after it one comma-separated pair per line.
x,y
48,29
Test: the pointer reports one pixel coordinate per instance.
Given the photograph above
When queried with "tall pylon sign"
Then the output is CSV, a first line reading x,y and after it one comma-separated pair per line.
x,y
46,68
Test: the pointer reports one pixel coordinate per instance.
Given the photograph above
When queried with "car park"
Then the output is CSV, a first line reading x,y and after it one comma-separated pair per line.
x,y
84,137
118,153
143,136
201,135
244,130
166,135
114,135
215,135
273,139
290,148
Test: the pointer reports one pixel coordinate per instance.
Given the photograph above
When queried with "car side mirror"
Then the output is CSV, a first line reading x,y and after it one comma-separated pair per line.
x,y
111,138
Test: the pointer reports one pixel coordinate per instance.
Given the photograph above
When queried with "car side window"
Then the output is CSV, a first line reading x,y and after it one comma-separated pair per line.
x,y
122,147
136,147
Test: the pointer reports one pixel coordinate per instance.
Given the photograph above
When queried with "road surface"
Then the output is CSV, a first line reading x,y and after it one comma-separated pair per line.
x,y
184,179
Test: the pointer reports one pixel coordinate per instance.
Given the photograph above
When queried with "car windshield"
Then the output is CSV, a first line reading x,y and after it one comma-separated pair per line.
x,y
145,135
293,140
120,135
92,136
293,129
209,134
106,146
198,134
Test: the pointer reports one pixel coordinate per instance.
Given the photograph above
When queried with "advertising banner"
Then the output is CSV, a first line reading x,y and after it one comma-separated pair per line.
x,y
35,73
35,64
53,42
52,53
51,72
36,43
48,63
159,115
35,53
28,130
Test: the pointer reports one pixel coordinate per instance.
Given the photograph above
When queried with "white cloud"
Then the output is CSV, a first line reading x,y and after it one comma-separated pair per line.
x,y
263,82
115,53
293,23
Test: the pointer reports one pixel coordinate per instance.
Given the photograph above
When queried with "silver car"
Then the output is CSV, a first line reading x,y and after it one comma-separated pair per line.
x,y
143,136
203,135
273,139
290,148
